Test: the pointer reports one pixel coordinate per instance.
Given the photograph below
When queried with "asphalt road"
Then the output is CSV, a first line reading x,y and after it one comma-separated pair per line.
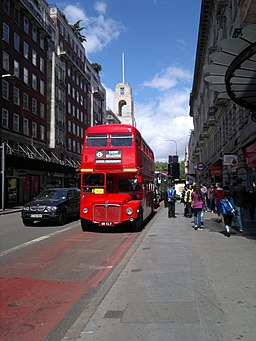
x,y
50,273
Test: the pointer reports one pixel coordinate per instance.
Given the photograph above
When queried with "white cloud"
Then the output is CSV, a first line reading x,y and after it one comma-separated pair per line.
x,y
109,98
168,78
75,13
157,124
99,30
101,7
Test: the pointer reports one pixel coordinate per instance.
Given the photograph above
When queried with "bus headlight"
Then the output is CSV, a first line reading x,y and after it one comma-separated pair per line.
x,y
129,211
85,210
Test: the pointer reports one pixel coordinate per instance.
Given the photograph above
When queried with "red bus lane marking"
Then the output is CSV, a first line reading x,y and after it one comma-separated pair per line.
x,y
107,265
31,308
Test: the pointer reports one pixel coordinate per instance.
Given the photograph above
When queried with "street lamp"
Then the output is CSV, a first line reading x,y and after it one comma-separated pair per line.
x,y
175,145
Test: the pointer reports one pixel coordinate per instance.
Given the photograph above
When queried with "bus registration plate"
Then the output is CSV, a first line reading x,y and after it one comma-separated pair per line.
x,y
106,223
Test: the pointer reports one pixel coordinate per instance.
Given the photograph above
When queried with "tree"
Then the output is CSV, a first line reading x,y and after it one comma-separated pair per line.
x,y
97,67
77,30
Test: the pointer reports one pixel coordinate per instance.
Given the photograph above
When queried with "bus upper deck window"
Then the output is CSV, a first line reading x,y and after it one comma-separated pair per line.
x,y
119,140
97,140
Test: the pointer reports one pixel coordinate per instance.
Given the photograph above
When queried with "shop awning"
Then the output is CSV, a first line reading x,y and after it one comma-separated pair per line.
x,y
232,71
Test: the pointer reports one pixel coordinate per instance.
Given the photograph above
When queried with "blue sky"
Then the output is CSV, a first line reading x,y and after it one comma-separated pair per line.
x,y
158,39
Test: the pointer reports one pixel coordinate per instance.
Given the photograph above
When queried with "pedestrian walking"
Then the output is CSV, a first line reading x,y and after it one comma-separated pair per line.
x,y
197,205
171,199
188,202
239,195
219,194
228,210
251,201
211,196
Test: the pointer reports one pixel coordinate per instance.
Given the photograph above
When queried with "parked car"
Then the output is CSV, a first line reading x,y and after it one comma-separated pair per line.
x,y
53,204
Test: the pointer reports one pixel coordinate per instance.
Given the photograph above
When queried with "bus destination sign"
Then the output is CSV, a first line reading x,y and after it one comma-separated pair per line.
x,y
108,156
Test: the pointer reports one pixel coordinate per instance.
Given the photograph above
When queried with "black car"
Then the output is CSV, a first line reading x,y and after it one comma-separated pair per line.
x,y
53,204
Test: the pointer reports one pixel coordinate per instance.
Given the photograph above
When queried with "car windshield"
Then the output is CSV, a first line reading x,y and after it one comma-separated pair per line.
x,y
52,194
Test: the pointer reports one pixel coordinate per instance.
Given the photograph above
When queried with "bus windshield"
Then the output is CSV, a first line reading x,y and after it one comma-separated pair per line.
x,y
129,185
92,180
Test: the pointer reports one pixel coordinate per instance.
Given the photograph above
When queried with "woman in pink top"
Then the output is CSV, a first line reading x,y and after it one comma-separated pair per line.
x,y
198,205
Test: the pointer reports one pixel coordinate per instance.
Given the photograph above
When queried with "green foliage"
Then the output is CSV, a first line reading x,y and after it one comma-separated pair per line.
x,y
163,166
77,30
97,67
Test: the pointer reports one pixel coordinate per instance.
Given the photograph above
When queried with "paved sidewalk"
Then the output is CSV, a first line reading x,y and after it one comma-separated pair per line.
x,y
182,284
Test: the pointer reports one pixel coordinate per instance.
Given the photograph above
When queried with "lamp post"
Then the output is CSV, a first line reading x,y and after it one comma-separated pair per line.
x,y
175,145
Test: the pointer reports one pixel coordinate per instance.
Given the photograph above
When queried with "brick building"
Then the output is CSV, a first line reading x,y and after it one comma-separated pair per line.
x,y
50,94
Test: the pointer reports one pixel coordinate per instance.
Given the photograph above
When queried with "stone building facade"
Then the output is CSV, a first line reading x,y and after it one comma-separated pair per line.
x,y
50,94
222,145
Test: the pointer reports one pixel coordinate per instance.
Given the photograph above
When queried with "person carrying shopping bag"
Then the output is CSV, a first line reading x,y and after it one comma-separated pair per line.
x,y
228,211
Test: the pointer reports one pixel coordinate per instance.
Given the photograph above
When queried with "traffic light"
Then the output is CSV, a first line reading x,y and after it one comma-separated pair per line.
x,y
174,167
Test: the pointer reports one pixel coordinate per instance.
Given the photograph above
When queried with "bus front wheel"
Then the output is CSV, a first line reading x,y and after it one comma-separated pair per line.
x,y
137,223
85,225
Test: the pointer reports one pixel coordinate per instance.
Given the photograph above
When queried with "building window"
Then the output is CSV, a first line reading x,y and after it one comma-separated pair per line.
x,y
34,106
41,133
5,32
69,107
16,95
25,50
16,69
6,61
34,34
26,25
42,64
69,126
69,89
121,90
34,129
25,126
25,75
42,41
74,146
34,57
16,122
16,15
25,101
42,110
5,118
16,42
5,89
6,6
69,143
42,87
34,82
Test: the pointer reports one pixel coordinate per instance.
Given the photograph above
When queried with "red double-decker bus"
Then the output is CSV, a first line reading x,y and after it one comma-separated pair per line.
x,y
117,177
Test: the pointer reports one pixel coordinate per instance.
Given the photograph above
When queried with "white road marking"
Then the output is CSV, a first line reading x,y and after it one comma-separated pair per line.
x,y
37,240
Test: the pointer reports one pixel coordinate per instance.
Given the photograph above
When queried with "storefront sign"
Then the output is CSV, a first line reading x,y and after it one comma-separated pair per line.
x,y
216,170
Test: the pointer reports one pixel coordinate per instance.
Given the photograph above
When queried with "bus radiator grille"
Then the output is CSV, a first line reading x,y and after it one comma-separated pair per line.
x,y
107,213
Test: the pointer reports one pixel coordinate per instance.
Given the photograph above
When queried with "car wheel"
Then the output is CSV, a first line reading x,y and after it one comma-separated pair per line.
x,y
27,222
62,218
